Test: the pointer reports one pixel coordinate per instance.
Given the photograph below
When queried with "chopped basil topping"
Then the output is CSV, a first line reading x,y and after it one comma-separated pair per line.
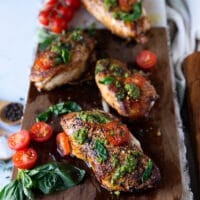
x,y
132,90
130,17
96,117
99,68
126,75
110,4
117,84
118,71
63,52
81,135
91,30
147,172
129,165
107,80
101,151
77,35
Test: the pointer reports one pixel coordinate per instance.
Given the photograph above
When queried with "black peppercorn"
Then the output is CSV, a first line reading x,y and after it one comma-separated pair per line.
x,y
13,111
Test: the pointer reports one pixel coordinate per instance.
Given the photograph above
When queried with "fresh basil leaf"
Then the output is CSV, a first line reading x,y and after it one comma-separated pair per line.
x,y
107,80
132,90
27,184
43,117
66,55
58,109
55,176
130,17
147,172
101,150
65,107
12,191
99,68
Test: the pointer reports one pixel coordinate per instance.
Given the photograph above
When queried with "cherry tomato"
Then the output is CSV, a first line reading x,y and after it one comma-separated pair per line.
x,y
44,17
58,24
116,133
19,140
137,79
66,12
127,5
75,4
41,132
146,59
63,145
25,159
51,3
44,62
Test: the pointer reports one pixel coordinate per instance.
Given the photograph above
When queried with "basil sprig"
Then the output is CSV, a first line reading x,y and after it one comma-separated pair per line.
x,y
46,179
59,109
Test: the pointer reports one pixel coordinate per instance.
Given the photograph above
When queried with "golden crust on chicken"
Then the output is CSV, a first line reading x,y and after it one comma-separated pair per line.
x,y
132,95
113,153
125,18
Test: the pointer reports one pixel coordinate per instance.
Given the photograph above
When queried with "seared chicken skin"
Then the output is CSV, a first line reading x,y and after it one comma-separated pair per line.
x,y
114,155
63,61
125,18
132,95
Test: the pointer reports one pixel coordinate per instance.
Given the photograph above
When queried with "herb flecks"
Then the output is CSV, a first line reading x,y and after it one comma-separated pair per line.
x,y
81,135
99,68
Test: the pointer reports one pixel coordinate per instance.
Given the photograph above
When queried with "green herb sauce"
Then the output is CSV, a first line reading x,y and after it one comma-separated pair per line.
x,y
81,135
129,165
132,90
96,117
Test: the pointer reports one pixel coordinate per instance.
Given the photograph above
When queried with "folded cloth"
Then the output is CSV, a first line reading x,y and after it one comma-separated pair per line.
x,y
185,15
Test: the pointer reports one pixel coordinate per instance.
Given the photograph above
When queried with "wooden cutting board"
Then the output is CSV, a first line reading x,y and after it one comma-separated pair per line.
x,y
157,133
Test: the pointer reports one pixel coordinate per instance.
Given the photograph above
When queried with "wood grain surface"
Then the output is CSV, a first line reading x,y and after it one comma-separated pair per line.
x,y
157,133
191,67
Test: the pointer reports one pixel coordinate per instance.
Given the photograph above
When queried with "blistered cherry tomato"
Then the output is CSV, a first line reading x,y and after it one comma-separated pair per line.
x,y
146,59
41,132
25,159
19,140
116,133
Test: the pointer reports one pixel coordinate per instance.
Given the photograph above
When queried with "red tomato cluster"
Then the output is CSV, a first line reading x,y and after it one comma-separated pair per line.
x,y
57,14
26,157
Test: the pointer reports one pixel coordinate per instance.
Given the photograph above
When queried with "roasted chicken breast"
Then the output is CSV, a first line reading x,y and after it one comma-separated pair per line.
x,y
62,61
125,18
113,153
132,95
